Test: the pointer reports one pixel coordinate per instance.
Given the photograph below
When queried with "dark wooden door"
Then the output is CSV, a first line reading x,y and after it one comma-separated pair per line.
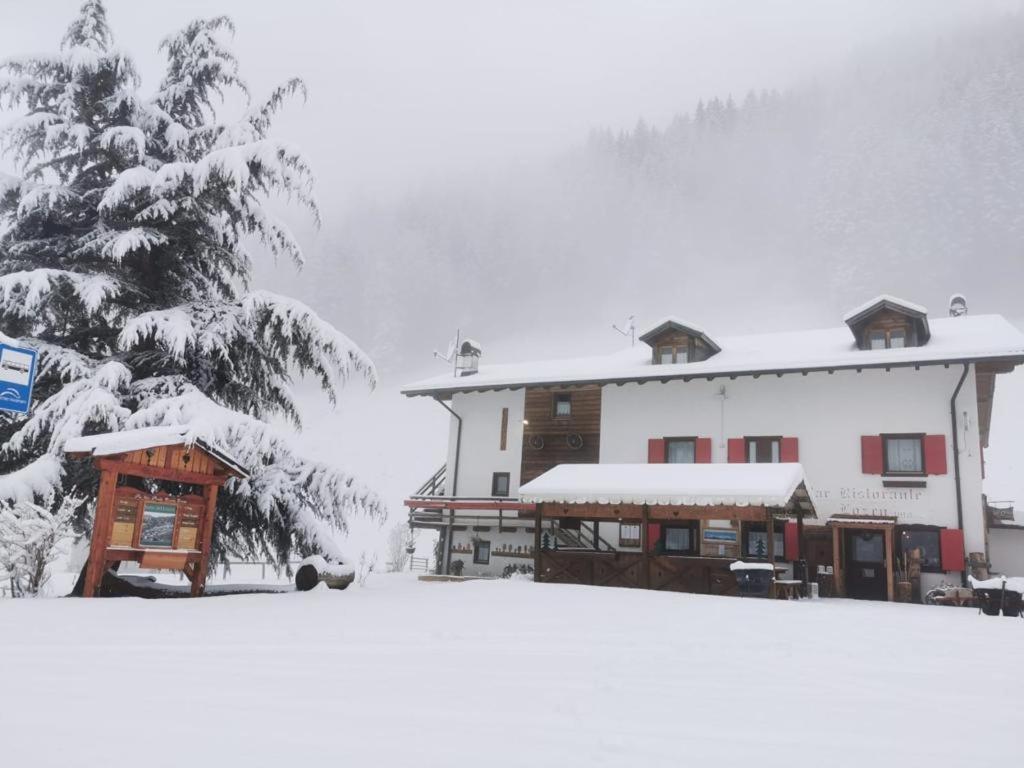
x,y
865,564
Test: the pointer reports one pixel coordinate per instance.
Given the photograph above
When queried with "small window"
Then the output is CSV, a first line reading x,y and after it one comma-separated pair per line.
x,y
755,541
678,540
680,450
897,338
904,455
876,340
481,552
629,535
563,405
499,484
763,450
927,540
665,356
682,354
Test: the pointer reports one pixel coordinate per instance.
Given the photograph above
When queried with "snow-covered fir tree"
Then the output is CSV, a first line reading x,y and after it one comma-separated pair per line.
x,y
125,261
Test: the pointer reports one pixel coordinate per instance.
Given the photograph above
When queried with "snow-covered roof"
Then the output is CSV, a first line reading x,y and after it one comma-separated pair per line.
x,y
885,299
697,485
953,339
111,443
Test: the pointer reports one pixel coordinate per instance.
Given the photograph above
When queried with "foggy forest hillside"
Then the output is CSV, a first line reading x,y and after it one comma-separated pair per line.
x,y
900,171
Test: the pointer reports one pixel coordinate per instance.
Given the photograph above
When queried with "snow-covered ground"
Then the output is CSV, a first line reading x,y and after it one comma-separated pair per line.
x,y
505,673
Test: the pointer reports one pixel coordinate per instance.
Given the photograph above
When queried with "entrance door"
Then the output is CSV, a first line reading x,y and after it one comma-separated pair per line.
x,y
865,565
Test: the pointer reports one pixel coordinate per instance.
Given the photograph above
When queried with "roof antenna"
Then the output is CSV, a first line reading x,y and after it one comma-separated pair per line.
x,y
629,330
452,355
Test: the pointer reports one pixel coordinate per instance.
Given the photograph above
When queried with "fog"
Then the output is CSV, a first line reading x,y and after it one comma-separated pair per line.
x,y
531,172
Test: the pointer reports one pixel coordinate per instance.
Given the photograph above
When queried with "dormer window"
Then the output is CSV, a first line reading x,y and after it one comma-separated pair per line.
x,y
888,323
673,342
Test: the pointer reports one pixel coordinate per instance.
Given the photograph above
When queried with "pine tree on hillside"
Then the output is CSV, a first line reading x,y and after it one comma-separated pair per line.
x,y
124,261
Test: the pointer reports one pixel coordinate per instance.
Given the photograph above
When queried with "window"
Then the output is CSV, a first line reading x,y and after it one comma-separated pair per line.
x,y
682,354
629,535
481,552
679,540
755,541
903,454
157,525
668,354
499,484
665,355
563,404
927,540
868,547
680,450
763,450
895,338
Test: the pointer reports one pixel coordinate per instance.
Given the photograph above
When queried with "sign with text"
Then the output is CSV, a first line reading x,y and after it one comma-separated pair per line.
x,y
17,374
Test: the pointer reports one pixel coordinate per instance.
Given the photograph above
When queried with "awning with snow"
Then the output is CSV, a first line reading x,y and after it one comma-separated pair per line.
x,y
698,485
112,443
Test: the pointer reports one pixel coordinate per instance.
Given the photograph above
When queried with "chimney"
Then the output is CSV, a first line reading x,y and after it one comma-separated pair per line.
x,y
957,305
467,358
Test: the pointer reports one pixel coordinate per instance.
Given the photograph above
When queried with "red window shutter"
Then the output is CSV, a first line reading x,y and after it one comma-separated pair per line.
x,y
703,452
935,455
871,454
737,450
656,450
792,540
951,549
789,450
653,535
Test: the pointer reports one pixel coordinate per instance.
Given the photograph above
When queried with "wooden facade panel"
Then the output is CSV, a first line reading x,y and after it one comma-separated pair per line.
x,y
665,512
550,440
593,511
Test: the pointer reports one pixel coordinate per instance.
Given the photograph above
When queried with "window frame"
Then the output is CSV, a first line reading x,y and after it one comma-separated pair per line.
x,y
691,440
557,399
694,548
901,530
677,353
778,530
495,476
773,440
477,559
886,337
886,437
630,542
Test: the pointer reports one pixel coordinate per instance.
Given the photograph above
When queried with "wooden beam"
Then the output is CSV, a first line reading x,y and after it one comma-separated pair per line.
x,y
837,563
769,524
645,567
205,539
161,473
100,533
889,564
536,544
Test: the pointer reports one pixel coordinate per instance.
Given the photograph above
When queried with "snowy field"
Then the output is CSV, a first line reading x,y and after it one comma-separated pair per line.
x,y
407,673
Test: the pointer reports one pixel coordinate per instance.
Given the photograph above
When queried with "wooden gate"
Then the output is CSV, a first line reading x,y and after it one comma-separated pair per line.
x,y
606,569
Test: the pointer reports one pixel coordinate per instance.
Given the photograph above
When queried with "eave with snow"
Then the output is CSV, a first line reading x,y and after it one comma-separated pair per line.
x,y
654,465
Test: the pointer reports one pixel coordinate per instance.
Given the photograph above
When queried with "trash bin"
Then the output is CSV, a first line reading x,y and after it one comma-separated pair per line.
x,y
753,579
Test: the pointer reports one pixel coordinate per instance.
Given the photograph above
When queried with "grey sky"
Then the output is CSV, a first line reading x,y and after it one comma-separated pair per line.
x,y
404,89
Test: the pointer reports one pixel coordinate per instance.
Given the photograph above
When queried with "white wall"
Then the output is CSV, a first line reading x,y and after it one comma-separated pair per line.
x,y
828,413
481,453
1006,551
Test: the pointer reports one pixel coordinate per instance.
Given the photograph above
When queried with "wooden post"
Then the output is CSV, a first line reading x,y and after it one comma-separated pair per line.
x,y
536,545
889,564
199,580
769,524
838,588
100,533
802,547
645,554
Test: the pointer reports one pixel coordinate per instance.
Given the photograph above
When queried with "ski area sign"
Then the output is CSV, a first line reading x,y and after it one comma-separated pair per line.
x,y
17,374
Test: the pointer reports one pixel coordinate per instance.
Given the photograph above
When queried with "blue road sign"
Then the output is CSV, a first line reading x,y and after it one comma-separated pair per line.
x,y
17,375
